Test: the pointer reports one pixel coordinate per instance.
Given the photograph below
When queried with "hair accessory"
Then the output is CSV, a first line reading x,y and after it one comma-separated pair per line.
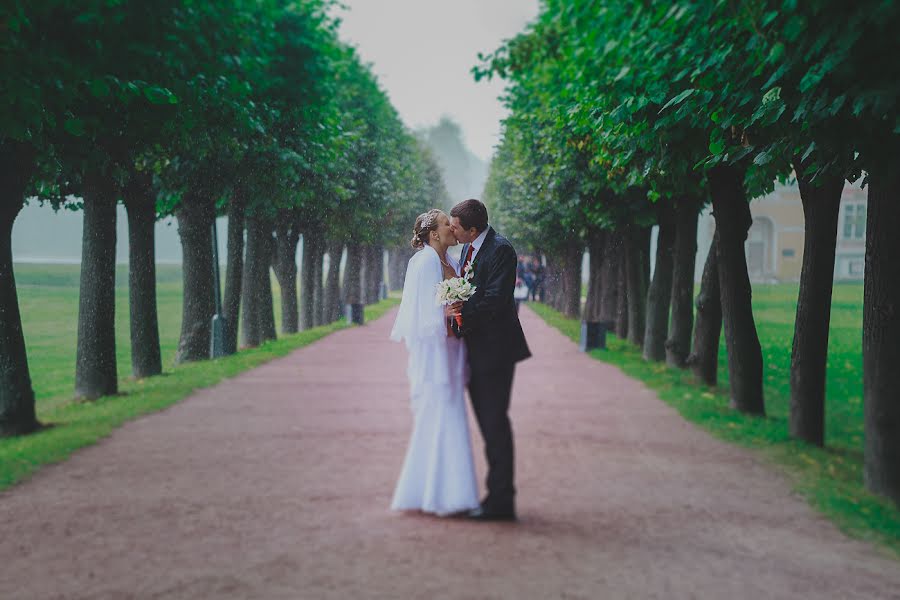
x,y
427,222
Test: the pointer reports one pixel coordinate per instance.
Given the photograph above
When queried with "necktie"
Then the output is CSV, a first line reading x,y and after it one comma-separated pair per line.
x,y
468,258
465,264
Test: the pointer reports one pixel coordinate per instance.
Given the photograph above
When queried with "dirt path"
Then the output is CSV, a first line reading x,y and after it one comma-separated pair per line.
x,y
276,485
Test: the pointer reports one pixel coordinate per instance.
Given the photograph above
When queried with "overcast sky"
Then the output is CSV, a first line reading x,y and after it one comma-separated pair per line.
x,y
423,50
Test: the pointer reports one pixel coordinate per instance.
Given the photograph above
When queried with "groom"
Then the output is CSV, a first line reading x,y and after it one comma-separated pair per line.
x,y
495,343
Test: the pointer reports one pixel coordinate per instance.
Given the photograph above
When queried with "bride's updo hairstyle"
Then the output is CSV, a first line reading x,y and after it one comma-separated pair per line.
x,y
425,224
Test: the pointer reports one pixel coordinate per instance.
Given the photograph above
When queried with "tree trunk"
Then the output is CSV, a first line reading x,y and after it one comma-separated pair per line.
x,y
660,293
17,410
393,269
366,283
609,277
250,292
541,277
550,282
378,265
571,280
333,304
195,221
678,344
704,358
267,330
558,292
319,290
287,235
140,203
352,286
95,366
644,241
399,259
622,296
881,335
821,206
596,247
732,213
373,272
234,269
311,241
634,272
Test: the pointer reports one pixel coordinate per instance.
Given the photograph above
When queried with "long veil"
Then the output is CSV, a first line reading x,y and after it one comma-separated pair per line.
x,y
420,322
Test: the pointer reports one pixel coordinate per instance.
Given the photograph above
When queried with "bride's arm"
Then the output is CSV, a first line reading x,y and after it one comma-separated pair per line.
x,y
420,315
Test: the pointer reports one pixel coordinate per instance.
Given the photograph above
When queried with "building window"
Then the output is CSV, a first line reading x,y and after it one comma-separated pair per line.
x,y
855,221
857,267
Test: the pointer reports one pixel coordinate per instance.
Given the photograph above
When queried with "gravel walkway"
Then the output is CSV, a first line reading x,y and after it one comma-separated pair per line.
x,y
276,484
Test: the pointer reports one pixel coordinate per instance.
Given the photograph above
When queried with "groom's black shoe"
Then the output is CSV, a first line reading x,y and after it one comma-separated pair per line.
x,y
483,514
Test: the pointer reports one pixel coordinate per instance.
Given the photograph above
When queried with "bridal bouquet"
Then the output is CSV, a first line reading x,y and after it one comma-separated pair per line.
x,y
456,289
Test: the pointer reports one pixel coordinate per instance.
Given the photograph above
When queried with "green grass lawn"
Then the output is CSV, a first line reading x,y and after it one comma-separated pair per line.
x,y
831,478
48,298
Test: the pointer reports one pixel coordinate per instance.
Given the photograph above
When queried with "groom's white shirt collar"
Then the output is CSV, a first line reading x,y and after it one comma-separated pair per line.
x,y
477,242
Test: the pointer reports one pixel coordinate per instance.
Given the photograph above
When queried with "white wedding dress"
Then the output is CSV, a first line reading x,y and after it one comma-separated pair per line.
x,y
438,474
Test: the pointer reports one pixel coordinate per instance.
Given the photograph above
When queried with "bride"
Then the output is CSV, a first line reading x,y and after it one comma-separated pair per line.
x,y
438,473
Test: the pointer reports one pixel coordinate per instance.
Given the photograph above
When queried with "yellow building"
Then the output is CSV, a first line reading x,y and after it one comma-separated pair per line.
x,y
774,244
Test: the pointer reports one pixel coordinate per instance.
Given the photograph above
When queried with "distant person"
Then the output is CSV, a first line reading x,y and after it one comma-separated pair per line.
x,y
537,279
527,275
520,292
521,261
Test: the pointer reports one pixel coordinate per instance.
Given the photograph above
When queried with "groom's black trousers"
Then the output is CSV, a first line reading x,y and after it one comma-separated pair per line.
x,y
490,393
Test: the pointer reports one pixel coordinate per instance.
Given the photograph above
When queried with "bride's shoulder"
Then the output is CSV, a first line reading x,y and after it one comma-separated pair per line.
x,y
420,259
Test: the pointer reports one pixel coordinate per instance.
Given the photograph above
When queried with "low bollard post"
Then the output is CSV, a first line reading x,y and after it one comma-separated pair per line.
x,y
593,335
354,314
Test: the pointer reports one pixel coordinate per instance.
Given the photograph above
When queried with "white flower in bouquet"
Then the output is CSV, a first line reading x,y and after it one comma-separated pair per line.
x,y
455,289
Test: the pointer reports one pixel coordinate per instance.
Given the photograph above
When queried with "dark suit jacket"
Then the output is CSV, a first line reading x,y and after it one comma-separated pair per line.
x,y
491,327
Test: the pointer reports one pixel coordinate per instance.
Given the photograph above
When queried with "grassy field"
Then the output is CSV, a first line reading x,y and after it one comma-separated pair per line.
x,y
831,478
48,298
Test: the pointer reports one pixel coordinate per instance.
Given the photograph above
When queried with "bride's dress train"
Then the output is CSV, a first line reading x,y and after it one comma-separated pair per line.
x,y
438,474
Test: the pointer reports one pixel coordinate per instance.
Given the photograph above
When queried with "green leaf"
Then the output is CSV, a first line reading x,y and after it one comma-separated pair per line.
x,y
778,74
811,79
159,95
99,88
794,27
776,53
622,73
678,99
771,95
812,146
74,127
837,104
717,147
762,158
